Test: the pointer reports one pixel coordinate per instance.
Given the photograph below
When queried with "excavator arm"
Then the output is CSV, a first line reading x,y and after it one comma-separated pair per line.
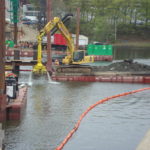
x,y
55,23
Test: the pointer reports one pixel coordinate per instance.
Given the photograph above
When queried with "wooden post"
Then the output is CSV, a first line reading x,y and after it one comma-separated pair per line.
x,y
78,28
16,57
49,56
2,62
15,33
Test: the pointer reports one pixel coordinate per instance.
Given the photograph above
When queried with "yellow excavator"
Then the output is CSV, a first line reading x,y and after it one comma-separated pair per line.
x,y
71,62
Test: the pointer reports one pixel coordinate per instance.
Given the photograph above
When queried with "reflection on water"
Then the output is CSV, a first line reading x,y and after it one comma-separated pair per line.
x,y
126,52
53,109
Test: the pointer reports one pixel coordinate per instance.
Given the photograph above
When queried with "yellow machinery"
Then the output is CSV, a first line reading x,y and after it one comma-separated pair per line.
x,y
73,58
8,67
39,68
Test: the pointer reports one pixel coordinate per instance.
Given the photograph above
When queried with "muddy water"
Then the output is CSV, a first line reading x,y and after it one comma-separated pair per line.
x,y
53,109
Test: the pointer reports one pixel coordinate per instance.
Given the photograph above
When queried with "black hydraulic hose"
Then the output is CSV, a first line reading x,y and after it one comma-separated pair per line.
x,y
65,19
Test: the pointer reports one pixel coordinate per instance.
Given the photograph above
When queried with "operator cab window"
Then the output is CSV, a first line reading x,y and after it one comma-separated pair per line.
x,y
78,56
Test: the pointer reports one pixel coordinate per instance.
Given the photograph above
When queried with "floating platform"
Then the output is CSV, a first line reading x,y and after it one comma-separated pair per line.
x,y
122,77
15,108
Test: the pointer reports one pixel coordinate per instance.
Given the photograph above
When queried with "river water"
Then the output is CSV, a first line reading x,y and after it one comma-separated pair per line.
x,y
53,109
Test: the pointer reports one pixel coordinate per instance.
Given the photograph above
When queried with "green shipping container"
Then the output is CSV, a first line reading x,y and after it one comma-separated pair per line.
x,y
109,50
90,49
104,49
99,49
9,43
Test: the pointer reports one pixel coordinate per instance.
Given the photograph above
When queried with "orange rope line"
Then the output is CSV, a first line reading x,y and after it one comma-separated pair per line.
x,y
60,147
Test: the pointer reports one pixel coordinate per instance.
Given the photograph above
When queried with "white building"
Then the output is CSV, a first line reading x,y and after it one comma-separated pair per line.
x,y
83,40
29,11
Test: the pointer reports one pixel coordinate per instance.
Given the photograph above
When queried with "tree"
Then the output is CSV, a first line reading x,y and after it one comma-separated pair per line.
x,y
103,19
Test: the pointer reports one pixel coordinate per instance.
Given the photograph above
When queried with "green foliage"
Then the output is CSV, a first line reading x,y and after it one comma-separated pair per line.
x,y
100,19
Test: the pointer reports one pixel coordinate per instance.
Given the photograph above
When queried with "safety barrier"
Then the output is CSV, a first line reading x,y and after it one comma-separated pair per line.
x,y
103,58
116,78
26,53
24,70
29,53
22,53
59,53
67,138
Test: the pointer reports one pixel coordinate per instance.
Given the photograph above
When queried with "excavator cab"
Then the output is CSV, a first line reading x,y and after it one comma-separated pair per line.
x,y
78,56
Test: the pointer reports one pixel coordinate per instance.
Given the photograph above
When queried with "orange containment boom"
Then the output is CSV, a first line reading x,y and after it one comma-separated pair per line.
x,y
60,147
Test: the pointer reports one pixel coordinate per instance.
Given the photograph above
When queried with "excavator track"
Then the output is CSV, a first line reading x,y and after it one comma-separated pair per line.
x,y
74,69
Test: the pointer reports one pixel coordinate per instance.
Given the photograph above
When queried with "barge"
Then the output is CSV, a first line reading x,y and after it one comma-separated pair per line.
x,y
123,72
